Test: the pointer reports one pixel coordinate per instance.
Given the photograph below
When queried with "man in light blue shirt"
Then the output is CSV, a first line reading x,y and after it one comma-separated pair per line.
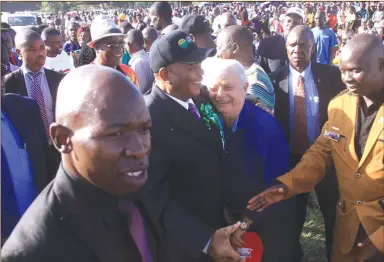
x,y
325,40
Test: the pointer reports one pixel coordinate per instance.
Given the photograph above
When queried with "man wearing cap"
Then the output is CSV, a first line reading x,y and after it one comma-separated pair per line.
x,y
199,29
122,18
109,43
272,50
186,171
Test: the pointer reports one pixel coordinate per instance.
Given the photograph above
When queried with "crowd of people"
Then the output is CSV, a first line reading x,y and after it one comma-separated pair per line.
x,y
193,134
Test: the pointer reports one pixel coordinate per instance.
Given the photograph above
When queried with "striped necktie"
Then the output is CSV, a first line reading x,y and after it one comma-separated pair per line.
x,y
9,210
300,141
37,95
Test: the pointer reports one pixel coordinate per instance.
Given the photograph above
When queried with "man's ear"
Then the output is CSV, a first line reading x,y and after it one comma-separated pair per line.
x,y
246,85
236,48
61,137
164,74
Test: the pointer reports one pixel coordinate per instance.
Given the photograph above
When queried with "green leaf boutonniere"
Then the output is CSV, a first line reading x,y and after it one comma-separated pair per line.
x,y
210,116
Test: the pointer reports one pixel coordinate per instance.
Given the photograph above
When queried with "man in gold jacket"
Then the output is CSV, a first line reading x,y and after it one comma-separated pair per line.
x,y
353,141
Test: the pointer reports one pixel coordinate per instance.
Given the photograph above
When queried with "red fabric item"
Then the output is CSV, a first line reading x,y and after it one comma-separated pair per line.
x,y
253,249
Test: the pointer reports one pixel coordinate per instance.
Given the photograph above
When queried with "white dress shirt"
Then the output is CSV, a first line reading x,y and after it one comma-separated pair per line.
x,y
139,62
184,104
44,87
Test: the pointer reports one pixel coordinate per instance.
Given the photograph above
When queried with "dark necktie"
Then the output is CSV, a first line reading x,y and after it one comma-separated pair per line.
x,y
9,211
300,141
137,229
37,95
193,109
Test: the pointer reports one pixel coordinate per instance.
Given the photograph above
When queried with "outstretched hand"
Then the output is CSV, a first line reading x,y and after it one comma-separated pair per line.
x,y
268,197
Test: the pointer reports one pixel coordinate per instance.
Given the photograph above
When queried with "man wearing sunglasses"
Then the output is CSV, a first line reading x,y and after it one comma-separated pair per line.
x,y
109,43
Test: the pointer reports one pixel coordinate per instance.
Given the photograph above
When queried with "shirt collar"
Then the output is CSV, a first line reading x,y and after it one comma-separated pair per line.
x,y
182,103
138,53
103,202
293,72
26,70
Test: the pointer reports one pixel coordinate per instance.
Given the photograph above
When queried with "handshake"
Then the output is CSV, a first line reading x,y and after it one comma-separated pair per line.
x,y
224,242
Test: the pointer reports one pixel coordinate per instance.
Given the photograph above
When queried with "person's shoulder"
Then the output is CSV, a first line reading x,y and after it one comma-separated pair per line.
x,y
326,70
279,74
59,75
339,98
19,100
37,231
263,119
13,74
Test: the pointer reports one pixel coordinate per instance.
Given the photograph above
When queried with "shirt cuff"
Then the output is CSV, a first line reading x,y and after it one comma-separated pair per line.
x,y
205,250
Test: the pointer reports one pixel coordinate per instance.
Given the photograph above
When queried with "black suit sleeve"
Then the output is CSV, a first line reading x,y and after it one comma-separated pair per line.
x,y
182,229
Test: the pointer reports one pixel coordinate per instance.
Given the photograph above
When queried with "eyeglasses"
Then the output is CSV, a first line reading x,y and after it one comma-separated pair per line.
x,y
115,46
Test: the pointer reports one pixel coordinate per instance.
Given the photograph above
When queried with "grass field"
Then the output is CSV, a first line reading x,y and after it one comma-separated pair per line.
x,y
313,235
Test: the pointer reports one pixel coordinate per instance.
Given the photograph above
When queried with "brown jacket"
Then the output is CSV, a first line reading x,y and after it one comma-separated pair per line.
x,y
361,183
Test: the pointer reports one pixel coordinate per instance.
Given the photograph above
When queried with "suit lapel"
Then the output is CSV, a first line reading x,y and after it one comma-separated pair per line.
x,y
52,84
187,122
352,115
321,92
83,222
377,127
20,83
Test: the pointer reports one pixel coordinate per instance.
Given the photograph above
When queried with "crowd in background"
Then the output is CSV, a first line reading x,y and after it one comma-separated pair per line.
x,y
275,69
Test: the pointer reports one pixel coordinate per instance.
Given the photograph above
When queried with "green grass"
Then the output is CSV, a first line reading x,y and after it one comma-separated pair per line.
x,y
313,236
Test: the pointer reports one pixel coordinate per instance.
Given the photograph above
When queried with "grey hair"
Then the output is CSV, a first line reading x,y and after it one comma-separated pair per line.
x,y
215,67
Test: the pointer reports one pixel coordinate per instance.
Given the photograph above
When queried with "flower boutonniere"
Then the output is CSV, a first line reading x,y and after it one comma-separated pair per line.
x,y
211,117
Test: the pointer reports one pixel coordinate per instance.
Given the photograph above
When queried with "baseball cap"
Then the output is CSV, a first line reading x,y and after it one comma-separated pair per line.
x,y
195,24
295,11
176,47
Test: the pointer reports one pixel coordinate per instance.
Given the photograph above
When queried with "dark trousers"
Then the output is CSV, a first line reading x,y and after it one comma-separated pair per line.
x,y
327,195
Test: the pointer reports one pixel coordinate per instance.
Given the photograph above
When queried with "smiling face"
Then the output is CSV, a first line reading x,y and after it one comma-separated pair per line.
x,y
360,72
110,50
227,87
109,136
185,79
54,44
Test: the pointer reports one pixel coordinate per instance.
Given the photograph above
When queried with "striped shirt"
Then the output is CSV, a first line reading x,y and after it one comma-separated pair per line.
x,y
260,86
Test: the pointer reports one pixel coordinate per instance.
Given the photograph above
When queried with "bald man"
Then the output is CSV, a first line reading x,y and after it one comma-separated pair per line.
x,y
150,35
353,141
93,210
236,42
161,15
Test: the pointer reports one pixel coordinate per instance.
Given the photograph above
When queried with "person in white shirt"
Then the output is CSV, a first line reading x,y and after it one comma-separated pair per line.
x,y
57,59
139,60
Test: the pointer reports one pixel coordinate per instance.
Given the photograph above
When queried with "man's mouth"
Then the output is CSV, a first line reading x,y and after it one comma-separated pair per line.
x,y
134,174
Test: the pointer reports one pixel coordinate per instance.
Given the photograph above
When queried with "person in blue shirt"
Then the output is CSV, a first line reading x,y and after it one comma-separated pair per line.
x,y
363,12
255,146
325,39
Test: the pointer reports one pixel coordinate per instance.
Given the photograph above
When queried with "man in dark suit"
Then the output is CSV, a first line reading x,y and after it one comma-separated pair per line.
x,y
34,81
303,90
94,209
185,175
23,157
272,50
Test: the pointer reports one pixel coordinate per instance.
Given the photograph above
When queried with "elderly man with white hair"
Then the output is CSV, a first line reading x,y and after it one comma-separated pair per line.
x,y
255,143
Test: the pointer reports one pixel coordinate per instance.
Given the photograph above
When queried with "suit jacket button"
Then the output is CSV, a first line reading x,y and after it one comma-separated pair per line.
x,y
358,175
358,202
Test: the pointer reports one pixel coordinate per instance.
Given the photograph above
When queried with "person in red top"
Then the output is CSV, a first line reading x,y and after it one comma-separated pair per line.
x,y
108,42
332,18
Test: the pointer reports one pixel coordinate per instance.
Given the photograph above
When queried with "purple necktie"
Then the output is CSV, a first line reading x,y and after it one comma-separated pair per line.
x,y
193,109
137,229
37,95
